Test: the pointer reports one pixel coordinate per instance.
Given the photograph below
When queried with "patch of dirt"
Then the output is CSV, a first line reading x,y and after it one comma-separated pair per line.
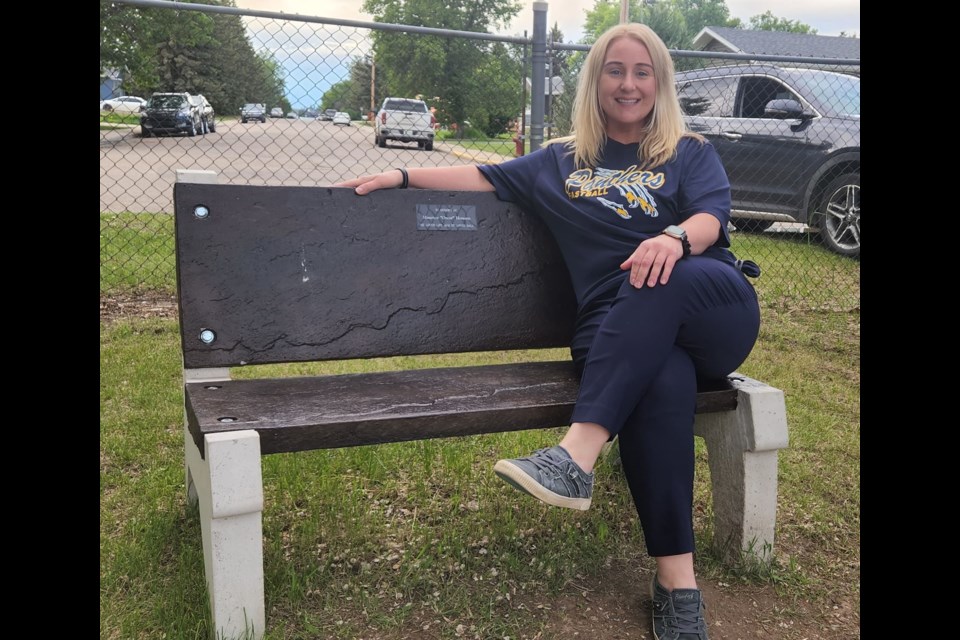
x,y
618,606
114,307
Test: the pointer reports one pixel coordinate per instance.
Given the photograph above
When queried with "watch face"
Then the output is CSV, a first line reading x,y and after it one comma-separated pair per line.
x,y
675,232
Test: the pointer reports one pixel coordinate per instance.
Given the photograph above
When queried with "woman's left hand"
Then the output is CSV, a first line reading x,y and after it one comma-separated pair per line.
x,y
653,261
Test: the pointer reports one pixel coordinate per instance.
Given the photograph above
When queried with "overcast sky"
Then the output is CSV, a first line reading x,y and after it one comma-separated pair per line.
x,y
316,57
828,17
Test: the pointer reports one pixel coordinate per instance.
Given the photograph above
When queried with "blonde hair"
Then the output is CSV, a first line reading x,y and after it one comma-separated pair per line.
x,y
665,126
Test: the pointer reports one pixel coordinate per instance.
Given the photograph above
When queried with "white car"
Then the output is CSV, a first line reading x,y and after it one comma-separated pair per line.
x,y
123,104
341,117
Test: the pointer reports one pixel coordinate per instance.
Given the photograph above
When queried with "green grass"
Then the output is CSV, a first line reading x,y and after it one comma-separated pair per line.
x,y
503,144
136,252
799,272
116,118
380,541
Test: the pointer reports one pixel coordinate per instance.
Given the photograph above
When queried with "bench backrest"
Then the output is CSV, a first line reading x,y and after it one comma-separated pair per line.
x,y
287,274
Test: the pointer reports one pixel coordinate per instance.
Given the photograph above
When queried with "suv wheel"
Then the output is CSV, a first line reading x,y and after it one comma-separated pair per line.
x,y
429,146
381,142
212,125
839,217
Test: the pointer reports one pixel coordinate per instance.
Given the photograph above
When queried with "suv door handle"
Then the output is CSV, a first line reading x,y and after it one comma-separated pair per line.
x,y
730,135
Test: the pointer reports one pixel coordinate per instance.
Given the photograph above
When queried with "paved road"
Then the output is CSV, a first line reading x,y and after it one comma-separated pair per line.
x,y
137,174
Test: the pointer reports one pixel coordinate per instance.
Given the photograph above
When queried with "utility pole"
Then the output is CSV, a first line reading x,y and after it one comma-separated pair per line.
x,y
373,83
624,11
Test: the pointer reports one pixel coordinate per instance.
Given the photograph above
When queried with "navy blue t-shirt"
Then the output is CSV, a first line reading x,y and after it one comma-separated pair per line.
x,y
599,216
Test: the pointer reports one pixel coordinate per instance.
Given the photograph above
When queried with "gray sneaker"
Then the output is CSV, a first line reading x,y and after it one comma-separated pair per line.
x,y
677,614
551,476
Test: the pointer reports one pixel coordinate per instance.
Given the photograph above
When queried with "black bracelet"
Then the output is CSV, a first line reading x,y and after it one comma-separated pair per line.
x,y
406,178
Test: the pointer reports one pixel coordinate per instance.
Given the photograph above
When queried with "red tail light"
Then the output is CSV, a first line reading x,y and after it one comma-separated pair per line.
x,y
383,118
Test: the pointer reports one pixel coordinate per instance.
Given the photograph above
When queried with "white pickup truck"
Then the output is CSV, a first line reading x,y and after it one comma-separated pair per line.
x,y
405,120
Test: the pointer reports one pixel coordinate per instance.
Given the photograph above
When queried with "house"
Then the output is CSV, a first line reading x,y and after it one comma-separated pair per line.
x,y
776,43
110,84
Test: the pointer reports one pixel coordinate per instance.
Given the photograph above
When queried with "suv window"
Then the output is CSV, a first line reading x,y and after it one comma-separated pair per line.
x,y
169,101
711,98
405,105
756,92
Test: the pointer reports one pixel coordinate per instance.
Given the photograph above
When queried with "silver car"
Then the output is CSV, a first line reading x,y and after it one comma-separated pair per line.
x,y
253,111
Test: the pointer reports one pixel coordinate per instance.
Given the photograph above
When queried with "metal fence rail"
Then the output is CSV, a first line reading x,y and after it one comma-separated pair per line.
x,y
785,197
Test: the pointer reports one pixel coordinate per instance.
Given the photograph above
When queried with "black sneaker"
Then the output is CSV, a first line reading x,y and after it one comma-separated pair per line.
x,y
677,614
550,475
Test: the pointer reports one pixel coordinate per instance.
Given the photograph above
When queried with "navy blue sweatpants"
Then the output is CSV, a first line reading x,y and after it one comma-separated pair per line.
x,y
640,354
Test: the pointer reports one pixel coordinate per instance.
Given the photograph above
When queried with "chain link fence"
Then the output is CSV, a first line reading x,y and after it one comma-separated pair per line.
x,y
777,124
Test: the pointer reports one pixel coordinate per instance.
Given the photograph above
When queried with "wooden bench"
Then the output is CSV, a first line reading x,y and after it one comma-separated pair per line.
x,y
290,274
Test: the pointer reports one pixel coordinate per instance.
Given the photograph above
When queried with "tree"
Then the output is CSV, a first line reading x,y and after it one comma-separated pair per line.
x,y
175,50
558,62
677,22
452,69
706,13
769,22
140,42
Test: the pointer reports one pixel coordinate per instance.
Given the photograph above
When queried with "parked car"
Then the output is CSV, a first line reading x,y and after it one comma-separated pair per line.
x,y
341,117
208,118
310,114
253,111
123,105
276,112
293,115
171,113
405,120
328,114
789,139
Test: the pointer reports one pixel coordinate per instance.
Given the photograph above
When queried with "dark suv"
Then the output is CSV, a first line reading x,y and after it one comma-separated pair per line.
x,y
171,113
789,139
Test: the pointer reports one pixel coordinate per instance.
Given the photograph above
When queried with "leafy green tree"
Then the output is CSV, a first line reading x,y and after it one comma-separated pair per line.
x,y
451,69
705,13
151,47
336,96
122,30
769,22
677,22
174,50
353,94
558,58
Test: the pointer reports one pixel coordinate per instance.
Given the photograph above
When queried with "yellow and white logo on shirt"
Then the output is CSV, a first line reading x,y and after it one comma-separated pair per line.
x,y
632,184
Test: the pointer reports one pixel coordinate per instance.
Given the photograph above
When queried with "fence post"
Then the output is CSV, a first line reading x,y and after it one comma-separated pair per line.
x,y
537,74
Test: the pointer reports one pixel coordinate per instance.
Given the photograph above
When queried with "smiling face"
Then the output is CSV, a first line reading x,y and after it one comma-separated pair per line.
x,y
627,89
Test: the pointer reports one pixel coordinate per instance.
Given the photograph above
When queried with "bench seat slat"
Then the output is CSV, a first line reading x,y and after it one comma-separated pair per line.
x,y
296,414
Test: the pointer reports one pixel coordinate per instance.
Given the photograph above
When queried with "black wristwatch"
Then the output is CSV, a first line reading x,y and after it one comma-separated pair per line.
x,y
678,232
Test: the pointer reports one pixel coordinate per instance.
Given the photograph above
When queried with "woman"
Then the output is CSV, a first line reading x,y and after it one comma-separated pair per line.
x,y
639,208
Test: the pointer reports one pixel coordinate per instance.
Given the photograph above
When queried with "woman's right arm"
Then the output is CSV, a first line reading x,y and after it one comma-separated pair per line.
x,y
459,178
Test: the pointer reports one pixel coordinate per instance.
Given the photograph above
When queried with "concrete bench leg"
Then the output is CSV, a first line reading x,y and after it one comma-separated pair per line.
x,y
229,487
742,450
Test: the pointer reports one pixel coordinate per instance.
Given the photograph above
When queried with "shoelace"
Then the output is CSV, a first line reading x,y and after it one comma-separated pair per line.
x,y
543,461
687,616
